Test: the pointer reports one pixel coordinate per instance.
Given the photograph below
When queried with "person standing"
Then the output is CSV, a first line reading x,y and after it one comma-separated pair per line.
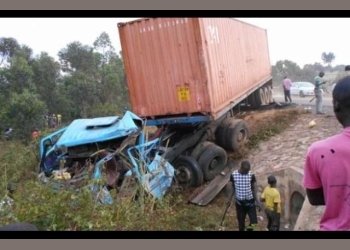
x,y
54,118
242,186
35,134
272,198
287,83
318,93
59,119
327,167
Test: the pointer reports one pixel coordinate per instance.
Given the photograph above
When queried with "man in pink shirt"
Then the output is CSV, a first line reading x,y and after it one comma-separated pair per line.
x,y
327,167
287,83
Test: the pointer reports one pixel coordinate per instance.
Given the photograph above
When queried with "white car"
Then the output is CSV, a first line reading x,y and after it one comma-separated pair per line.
x,y
302,89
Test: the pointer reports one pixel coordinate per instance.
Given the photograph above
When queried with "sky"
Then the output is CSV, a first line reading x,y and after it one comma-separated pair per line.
x,y
301,40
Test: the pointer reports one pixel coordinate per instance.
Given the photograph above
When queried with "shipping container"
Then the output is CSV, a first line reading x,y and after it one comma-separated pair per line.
x,y
192,66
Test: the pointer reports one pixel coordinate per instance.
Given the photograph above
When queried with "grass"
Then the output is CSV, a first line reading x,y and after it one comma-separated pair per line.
x,y
268,127
72,210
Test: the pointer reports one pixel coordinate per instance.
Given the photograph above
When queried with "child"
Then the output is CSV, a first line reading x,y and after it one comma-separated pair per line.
x,y
272,199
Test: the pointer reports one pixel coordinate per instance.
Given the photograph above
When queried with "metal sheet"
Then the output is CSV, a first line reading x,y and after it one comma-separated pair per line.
x,y
79,131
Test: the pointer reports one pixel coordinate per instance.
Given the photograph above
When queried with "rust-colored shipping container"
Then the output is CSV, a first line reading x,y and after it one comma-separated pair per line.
x,y
186,66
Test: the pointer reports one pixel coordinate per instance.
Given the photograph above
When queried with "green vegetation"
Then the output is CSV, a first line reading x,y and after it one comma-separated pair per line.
x,y
268,127
88,81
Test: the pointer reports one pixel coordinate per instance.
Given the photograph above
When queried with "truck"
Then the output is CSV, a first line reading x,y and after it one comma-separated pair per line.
x,y
189,78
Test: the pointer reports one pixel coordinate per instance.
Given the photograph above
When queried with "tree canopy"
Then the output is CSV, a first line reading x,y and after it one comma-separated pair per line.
x,y
86,81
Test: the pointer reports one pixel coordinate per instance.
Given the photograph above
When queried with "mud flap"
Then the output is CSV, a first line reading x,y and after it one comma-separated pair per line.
x,y
214,187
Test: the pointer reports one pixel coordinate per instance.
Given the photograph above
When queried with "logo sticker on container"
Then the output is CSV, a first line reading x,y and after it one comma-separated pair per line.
x,y
183,94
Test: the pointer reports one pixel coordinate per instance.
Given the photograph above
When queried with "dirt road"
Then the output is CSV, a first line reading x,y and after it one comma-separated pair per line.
x,y
305,102
288,149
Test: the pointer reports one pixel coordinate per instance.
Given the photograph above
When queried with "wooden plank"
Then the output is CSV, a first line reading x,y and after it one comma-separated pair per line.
x,y
215,186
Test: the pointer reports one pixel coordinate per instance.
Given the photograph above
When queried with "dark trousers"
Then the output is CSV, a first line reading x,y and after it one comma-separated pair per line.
x,y
273,220
242,209
287,95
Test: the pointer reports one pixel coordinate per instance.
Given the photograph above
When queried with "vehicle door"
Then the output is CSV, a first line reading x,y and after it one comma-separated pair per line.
x,y
294,89
49,155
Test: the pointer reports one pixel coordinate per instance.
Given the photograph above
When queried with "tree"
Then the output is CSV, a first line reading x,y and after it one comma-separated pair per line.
x,y
46,74
286,68
8,46
20,75
77,57
24,112
328,58
82,93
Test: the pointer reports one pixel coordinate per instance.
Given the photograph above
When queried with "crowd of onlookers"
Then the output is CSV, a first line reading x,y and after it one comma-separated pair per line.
x,y
53,121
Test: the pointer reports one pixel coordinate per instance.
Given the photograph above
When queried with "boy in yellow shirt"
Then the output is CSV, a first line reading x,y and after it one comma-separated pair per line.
x,y
272,198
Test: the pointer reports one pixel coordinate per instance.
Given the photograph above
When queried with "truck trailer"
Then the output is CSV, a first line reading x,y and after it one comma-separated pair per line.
x,y
189,77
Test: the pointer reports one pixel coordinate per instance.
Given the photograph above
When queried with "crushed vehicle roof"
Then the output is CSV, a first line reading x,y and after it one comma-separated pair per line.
x,y
85,131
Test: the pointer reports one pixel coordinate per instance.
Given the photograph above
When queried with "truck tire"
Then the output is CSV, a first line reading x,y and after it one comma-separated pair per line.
x,y
270,91
221,132
188,172
252,101
237,134
222,137
259,97
212,161
267,95
198,150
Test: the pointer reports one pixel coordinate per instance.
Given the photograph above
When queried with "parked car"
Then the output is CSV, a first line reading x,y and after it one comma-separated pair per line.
x,y
302,89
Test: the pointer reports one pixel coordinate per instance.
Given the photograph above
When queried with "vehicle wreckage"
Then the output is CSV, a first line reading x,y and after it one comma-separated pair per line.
x,y
111,146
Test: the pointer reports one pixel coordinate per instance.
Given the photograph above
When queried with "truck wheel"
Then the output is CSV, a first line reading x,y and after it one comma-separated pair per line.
x,y
197,151
222,136
237,134
221,132
188,172
212,161
270,91
267,95
252,101
259,97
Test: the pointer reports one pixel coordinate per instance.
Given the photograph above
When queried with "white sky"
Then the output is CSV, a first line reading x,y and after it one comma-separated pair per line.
x,y
301,40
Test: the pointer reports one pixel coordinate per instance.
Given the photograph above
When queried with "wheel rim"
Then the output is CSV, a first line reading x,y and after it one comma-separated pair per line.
x,y
213,164
241,135
183,174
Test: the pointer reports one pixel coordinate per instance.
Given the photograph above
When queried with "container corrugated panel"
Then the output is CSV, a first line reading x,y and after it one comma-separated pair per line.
x,y
191,65
237,59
